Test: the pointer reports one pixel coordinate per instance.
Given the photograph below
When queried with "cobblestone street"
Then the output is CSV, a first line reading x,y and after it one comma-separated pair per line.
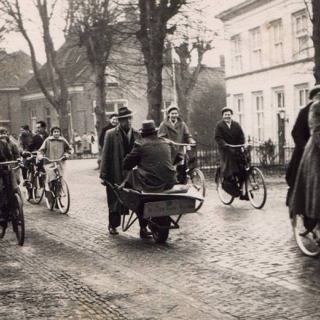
x,y
225,262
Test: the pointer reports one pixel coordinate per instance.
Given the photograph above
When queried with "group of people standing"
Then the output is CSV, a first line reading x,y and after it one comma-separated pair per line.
x,y
152,150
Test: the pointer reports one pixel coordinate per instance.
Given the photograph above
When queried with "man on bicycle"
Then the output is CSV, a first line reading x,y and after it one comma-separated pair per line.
x,y
229,131
174,129
5,155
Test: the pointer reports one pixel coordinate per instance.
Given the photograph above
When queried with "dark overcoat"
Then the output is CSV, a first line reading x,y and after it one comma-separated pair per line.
x,y
305,196
153,158
300,134
179,132
225,135
37,141
113,154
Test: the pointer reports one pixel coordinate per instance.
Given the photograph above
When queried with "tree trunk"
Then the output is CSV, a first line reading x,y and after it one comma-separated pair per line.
x,y
154,95
100,109
316,39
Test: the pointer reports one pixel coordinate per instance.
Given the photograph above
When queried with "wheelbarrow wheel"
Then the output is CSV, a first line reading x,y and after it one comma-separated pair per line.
x,y
160,230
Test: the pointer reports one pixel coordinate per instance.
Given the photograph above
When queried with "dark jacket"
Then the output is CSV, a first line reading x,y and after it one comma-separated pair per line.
x,y
5,150
305,198
103,133
113,154
300,134
153,158
25,138
37,141
225,135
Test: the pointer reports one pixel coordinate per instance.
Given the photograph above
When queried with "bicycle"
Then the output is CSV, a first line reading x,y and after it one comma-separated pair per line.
x,y
58,195
193,174
12,206
253,188
35,181
306,235
30,174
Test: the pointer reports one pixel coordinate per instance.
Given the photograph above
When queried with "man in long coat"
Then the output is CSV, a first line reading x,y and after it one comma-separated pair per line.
x,y
228,132
118,142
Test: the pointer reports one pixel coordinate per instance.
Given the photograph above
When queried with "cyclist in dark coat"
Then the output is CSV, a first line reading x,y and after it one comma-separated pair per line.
x,y
5,155
228,132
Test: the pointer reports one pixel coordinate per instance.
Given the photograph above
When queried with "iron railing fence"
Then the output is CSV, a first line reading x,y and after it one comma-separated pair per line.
x,y
270,157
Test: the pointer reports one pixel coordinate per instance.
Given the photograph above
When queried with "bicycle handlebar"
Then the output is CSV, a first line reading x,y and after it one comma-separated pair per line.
x,y
54,160
11,164
237,145
32,154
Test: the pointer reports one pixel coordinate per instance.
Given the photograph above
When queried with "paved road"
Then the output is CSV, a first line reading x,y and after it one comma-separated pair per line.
x,y
225,262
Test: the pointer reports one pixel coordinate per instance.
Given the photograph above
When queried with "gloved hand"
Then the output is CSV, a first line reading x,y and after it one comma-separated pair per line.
x,y
25,154
103,182
65,156
39,156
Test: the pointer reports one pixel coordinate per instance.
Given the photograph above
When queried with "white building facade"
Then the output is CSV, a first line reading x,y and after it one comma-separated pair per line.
x,y
269,65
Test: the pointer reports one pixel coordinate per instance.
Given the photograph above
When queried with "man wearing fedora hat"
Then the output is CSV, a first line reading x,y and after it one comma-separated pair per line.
x,y
118,142
153,157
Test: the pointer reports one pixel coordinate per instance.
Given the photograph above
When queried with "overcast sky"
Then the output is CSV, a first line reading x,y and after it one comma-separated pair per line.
x,y
15,42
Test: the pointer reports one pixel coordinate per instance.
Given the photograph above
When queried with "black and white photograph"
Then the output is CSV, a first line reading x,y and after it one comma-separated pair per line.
x,y
159,159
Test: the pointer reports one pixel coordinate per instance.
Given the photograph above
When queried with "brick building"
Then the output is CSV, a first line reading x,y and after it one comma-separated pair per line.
x,y
15,71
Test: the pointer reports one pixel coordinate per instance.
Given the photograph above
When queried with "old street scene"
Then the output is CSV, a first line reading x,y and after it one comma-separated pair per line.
x,y
159,159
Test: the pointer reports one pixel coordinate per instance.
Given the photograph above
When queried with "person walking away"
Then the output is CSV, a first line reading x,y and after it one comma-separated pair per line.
x,y
228,131
113,122
118,142
54,147
300,134
305,198
176,130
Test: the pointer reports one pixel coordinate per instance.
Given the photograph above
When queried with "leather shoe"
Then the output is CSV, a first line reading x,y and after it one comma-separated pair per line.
x,y
144,233
113,230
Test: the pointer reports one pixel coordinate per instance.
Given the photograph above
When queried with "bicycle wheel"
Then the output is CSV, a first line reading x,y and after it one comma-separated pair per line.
x,y
305,240
63,196
37,188
225,197
18,219
160,232
28,186
199,182
256,188
2,231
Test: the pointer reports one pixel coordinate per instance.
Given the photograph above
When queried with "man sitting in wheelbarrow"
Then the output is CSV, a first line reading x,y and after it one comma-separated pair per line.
x,y
153,157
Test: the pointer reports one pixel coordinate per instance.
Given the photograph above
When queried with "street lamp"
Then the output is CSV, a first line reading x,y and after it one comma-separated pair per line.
x,y
282,115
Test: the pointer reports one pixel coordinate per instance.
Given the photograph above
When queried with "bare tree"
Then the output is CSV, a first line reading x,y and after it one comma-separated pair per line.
x,y
53,84
99,29
187,76
154,17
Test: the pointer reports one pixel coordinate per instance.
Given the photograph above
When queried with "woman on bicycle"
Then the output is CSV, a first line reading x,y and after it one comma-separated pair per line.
x,y
54,147
305,198
176,130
